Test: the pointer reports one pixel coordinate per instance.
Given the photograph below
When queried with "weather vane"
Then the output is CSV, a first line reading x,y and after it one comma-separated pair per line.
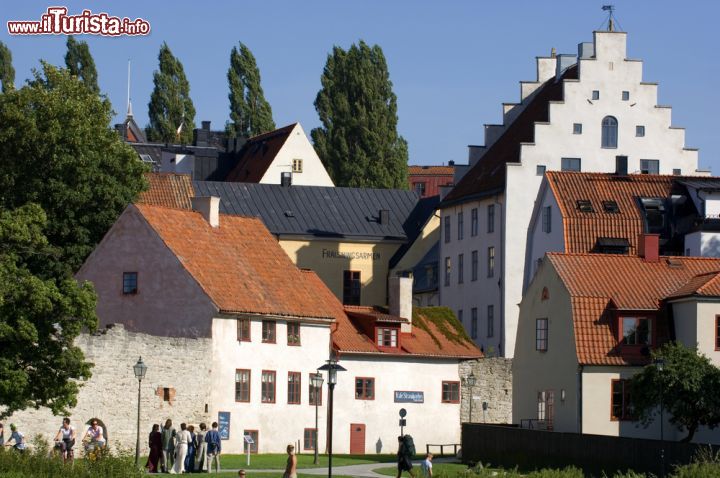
x,y
611,21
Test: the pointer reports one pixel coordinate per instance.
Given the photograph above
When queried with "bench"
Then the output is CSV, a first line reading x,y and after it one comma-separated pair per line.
x,y
454,446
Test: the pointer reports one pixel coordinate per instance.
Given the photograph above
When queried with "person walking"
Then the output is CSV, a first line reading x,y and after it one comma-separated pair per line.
x,y
182,439
404,458
201,451
168,446
426,466
156,450
214,447
65,439
19,439
291,466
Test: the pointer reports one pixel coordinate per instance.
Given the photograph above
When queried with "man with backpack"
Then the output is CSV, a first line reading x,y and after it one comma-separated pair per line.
x,y
405,453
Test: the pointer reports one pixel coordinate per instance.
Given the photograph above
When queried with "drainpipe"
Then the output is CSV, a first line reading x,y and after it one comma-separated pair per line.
x,y
578,406
503,352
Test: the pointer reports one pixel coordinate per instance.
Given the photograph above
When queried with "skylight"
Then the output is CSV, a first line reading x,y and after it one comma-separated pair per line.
x,y
611,206
585,205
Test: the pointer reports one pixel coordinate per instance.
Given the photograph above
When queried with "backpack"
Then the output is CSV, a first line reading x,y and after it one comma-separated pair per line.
x,y
409,445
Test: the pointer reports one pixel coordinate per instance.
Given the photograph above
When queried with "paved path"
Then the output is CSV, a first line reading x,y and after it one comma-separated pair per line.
x,y
361,471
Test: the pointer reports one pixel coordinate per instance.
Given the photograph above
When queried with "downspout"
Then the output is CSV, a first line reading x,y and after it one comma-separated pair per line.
x,y
500,280
579,399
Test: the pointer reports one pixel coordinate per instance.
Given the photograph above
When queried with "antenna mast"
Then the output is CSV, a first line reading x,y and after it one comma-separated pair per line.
x,y
129,104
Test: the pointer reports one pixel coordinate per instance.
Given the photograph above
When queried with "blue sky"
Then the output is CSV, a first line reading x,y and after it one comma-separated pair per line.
x,y
452,62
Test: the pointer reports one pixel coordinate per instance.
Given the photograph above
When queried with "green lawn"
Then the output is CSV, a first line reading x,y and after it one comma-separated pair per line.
x,y
233,474
450,470
276,461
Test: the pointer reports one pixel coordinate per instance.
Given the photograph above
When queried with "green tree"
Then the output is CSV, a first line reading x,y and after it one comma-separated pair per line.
x,y
690,386
358,142
7,72
81,64
171,111
40,317
57,149
250,113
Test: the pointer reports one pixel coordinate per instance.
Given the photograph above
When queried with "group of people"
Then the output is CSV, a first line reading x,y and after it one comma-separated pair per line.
x,y
184,451
94,438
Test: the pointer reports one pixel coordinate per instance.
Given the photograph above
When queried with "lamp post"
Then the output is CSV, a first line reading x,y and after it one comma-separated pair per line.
x,y
317,382
140,369
332,368
470,381
660,366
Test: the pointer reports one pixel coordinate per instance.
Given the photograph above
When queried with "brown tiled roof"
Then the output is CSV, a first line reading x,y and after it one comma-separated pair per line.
x,y
487,176
348,338
239,264
582,229
431,170
703,285
257,154
601,283
168,190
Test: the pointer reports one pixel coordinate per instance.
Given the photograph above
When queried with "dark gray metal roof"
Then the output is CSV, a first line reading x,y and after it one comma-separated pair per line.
x,y
316,210
701,183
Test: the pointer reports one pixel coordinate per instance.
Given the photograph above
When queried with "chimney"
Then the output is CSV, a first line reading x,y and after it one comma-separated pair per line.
x,y
384,217
201,136
286,179
564,61
586,49
401,300
649,247
209,207
206,125
451,163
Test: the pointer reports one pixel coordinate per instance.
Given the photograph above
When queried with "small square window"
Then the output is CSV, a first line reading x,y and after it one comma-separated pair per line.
x,y
625,95
677,171
649,166
570,164
584,205
364,388
268,331
297,166
596,94
129,283
577,128
540,170
450,392
639,131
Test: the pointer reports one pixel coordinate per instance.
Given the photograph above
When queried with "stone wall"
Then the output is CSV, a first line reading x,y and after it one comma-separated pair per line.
x,y
493,385
180,365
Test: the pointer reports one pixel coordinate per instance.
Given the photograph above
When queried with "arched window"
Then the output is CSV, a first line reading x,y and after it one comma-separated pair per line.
x,y
609,132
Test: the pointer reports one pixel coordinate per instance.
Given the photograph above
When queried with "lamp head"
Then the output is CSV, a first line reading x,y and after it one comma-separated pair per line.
x,y
140,369
470,379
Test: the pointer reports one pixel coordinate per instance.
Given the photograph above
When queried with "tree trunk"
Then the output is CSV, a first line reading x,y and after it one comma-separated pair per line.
x,y
691,433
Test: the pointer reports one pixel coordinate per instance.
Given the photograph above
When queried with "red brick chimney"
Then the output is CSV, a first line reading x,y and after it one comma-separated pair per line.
x,y
649,247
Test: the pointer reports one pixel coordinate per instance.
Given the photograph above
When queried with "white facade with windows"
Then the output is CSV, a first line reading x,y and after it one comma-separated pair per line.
x,y
594,127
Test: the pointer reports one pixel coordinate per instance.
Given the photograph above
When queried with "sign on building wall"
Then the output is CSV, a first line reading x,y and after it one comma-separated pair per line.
x,y
330,254
224,425
409,397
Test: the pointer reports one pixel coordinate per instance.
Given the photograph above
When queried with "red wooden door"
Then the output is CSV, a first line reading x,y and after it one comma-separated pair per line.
x,y
357,438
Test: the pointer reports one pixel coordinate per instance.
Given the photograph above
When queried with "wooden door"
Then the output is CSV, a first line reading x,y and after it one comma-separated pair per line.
x,y
357,438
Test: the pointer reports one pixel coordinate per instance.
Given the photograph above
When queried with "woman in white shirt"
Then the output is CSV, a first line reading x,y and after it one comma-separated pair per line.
x,y
181,447
65,438
95,432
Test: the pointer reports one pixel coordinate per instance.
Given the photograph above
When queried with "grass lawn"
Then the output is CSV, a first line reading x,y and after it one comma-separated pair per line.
x,y
276,461
439,469
267,475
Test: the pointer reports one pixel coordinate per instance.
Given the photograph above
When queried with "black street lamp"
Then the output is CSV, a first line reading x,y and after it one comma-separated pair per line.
x,y
660,366
317,382
140,369
332,368
470,381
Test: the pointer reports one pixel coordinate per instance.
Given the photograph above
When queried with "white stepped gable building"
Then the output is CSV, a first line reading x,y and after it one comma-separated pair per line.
x,y
592,112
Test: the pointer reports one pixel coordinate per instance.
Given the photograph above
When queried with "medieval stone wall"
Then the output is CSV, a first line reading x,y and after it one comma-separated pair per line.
x,y
176,386
493,385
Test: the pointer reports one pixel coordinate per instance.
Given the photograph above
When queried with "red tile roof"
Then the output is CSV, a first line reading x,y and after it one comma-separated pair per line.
x,y
487,176
601,283
257,154
703,285
429,337
168,190
239,264
582,229
431,171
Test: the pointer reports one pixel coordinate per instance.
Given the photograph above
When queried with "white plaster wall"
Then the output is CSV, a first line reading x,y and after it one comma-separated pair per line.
x,y
712,204
485,291
702,244
177,163
610,73
429,422
705,338
596,400
555,369
279,423
541,241
685,315
298,146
